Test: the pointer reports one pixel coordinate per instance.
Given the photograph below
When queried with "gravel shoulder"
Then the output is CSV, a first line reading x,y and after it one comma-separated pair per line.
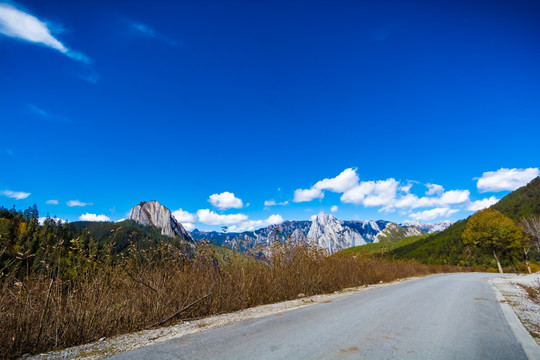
x,y
128,342
525,308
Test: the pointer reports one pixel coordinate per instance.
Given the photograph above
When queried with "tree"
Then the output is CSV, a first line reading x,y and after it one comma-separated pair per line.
x,y
531,225
493,233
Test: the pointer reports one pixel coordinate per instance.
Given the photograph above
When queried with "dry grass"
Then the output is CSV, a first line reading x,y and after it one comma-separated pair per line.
x,y
149,288
533,292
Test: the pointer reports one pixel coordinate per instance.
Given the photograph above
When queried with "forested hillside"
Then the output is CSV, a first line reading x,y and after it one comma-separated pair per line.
x,y
27,248
447,247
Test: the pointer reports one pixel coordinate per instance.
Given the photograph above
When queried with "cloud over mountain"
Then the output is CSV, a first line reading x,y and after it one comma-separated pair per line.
x,y
505,179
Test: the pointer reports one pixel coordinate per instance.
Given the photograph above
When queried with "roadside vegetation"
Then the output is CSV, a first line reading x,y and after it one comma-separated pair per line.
x,y
61,287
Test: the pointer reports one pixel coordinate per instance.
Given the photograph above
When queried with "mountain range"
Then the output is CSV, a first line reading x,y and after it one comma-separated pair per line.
x,y
324,230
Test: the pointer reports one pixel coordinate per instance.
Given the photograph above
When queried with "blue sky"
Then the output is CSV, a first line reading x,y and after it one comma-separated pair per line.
x,y
414,110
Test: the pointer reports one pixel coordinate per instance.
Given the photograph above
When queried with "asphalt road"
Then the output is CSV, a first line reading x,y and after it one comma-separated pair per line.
x,y
452,316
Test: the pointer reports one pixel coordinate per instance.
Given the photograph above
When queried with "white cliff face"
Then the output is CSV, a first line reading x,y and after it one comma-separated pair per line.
x,y
329,233
155,214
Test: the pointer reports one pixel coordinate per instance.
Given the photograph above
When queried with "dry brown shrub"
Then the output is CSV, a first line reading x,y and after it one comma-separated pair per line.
x,y
149,288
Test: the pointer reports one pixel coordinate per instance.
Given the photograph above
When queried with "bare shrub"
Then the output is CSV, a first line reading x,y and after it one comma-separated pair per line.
x,y
159,286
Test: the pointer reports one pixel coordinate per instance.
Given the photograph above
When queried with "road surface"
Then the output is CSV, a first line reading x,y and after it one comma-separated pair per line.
x,y
451,316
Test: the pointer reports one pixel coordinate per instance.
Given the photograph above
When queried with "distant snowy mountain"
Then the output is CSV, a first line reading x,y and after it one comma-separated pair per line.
x,y
429,228
325,231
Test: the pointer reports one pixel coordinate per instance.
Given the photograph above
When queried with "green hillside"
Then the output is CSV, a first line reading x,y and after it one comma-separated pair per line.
x,y
521,203
382,248
446,247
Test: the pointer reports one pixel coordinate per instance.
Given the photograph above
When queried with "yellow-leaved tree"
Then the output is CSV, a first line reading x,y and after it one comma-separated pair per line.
x,y
493,233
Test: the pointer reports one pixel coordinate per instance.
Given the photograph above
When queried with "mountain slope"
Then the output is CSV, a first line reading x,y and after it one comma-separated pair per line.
x,y
523,202
446,247
381,248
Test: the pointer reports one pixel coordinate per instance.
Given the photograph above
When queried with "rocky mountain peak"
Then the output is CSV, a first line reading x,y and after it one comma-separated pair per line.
x,y
323,218
329,233
155,214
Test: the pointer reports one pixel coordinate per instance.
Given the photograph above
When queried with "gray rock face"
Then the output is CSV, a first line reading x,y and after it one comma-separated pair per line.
x,y
155,214
328,233
395,232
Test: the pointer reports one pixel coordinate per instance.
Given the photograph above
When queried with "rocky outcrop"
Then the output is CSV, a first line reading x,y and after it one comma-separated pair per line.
x,y
328,233
154,214
393,233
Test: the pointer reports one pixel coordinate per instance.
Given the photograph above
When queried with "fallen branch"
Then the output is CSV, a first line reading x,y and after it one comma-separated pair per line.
x,y
181,310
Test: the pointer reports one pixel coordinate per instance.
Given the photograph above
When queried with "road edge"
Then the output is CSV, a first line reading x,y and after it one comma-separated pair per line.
x,y
522,335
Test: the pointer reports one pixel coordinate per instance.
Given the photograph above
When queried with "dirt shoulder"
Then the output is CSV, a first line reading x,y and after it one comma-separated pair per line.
x,y
525,308
107,347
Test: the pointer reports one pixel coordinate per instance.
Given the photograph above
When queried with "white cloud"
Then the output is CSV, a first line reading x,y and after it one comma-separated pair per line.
x,y
41,220
184,216
93,217
51,202
188,226
341,183
334,209
454,197
434,189
144,29
225,200
251,225
433,214
451,197
150,32
505,179
17,195
482,204
346,180
206,216
406,188
273,202
20,25
372,193
303,195
72,203
47,115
